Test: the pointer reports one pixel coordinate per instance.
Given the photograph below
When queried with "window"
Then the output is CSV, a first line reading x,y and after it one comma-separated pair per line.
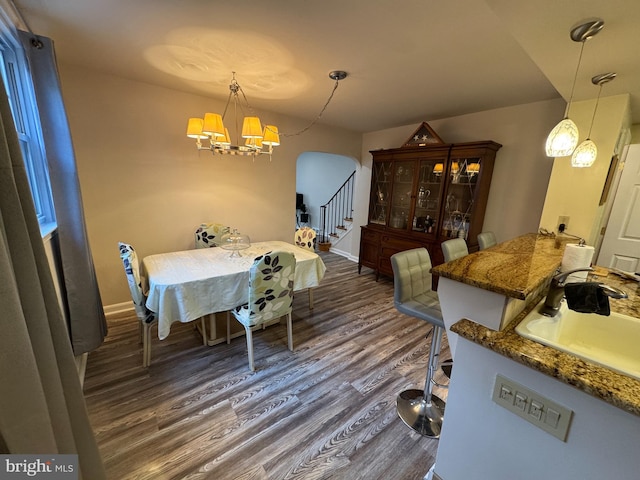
x,y
17,80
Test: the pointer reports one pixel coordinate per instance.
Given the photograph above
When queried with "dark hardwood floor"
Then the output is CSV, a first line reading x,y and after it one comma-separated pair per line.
x,y
327,410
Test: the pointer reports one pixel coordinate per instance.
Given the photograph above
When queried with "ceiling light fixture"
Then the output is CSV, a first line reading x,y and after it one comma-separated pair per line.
x,y
586,153
256,139
562,140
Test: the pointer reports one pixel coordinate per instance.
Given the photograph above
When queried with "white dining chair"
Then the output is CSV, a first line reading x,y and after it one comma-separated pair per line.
x,y
209,234
305,237
270,296
146,317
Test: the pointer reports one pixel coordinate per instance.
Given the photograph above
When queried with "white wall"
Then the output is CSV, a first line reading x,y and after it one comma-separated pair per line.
x,y
521,172
144,183
318,177
481,440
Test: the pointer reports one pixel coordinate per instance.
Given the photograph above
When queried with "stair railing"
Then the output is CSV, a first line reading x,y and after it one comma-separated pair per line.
x,y
338,209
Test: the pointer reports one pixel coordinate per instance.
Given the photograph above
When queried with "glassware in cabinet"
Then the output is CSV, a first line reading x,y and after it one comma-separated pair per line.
x,y
380,193
461,196
427,205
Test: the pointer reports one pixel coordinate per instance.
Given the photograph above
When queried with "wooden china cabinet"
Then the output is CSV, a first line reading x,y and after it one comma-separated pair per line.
x,y
424,193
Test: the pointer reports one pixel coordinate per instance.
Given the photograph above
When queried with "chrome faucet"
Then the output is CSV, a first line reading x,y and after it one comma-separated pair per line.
x,y
612,292
556,292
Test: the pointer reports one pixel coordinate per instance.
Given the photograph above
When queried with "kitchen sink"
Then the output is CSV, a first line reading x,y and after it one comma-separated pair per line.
x,y
613,341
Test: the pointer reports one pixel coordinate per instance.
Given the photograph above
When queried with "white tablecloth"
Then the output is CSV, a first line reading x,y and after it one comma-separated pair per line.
x,y
184,286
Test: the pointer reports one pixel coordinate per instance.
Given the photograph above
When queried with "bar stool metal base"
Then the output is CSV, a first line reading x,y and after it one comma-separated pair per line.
x,y
425,418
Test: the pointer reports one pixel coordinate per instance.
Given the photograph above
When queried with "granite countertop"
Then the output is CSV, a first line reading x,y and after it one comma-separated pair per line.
x,y
515,268
614,388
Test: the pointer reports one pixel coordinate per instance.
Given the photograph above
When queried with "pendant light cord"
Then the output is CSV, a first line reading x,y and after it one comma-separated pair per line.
x,y
575,78
594,111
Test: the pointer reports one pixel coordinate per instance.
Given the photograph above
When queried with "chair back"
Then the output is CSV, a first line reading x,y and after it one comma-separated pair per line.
x,y
486,240
411,274
306,238
454,248
209,234
132,270
271,286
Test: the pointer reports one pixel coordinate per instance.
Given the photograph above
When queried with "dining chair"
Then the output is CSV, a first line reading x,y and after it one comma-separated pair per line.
x,y
270,296
147,317
305,237
209,234
486,240
454,248
421,410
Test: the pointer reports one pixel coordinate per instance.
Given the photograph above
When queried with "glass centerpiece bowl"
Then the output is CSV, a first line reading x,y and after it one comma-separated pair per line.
x,y
235,241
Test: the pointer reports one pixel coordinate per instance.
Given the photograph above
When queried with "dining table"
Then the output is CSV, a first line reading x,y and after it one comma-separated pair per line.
x,y
186,285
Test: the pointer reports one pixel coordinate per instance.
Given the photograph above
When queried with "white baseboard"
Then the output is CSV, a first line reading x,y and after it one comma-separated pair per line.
x,y
118,308
81,366
344,254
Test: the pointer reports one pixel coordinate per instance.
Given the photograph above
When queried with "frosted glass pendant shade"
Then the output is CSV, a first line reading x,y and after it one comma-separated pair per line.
x,y
585,154
563,139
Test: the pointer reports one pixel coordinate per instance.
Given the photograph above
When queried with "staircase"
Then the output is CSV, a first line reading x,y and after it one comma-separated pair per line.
x,y
336,215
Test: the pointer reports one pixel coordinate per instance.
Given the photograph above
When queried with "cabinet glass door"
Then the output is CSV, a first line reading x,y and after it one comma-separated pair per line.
x,y
401,201
380,192
461,195
426,213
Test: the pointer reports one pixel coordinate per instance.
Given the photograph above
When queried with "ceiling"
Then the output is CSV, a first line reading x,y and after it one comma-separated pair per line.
x,y
407,60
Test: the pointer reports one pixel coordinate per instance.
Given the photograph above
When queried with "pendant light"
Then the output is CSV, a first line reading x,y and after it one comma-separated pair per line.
x,y
562,140
586,153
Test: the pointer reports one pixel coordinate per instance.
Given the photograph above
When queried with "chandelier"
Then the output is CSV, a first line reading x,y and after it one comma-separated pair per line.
x,y
255,139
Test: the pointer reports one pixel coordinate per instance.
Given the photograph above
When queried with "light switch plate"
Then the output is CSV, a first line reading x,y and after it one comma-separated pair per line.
x,y
533,407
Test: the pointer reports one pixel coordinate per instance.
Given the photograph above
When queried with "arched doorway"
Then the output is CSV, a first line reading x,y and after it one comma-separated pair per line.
x,y
318,176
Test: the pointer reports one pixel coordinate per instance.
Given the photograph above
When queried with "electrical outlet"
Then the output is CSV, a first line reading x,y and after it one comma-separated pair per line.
x,y
521,401
564,221
533,407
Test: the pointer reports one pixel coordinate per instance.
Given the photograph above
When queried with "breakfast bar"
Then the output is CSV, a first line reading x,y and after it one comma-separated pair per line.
x,y
484,296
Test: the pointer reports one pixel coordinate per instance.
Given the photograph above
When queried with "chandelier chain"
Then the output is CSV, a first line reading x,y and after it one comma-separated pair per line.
x,y
313,122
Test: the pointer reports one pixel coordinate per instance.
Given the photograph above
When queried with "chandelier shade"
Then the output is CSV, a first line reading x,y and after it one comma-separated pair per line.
x,y
212,125
271,136
251,128
194,128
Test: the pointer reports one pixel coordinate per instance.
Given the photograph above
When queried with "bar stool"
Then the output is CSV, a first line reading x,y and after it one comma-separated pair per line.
x,y
454,248
421,410
486,240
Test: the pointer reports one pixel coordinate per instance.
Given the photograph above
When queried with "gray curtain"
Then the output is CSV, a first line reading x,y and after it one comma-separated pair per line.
x,y
42,409
87,324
